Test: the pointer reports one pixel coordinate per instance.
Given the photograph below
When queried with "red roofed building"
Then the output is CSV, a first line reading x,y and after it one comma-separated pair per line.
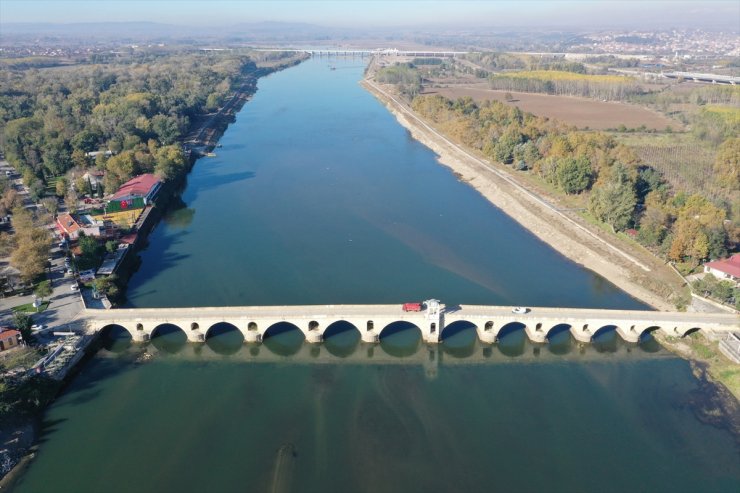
x,y
728,269
9,338
68,226
143,186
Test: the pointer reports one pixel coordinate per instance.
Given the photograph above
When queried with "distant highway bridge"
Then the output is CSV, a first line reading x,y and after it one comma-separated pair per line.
x,y
256,322
696,77
368,52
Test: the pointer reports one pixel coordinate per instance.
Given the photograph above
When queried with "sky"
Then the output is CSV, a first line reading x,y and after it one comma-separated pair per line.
x,y
385,13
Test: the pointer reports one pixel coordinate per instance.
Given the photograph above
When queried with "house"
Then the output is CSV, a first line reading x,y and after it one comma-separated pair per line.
x,y
140,190
725,269
70,226
9,338
95,178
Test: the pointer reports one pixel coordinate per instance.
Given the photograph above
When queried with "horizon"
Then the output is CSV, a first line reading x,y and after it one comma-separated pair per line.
x,y
384,14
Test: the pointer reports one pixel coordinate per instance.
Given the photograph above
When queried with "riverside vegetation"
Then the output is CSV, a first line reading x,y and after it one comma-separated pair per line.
x,y
608,177
672,214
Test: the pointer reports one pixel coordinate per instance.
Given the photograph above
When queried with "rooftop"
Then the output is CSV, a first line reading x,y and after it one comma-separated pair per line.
x,y
139,186
729,265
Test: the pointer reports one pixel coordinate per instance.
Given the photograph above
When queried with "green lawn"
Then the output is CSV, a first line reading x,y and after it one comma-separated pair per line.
x,y
29,308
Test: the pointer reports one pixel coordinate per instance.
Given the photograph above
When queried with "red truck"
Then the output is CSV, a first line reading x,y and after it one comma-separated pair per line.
x,y
412,307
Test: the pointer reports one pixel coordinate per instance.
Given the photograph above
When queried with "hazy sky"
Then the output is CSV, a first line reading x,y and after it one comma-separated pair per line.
x,y
596,13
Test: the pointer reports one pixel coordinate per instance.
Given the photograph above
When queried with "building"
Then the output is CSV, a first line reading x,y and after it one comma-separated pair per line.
x,y
95,178
70,226
9,338
140,190
725,269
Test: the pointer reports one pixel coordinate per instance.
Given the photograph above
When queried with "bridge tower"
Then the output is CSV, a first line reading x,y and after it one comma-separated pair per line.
x,y
434,321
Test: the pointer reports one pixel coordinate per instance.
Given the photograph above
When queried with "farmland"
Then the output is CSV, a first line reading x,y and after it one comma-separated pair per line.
x,y
580,112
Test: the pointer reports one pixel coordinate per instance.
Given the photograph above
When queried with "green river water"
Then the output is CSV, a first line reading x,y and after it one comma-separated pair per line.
x,y
318,196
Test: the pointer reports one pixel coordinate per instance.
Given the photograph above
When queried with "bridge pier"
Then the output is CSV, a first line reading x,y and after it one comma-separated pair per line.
x,y
314,337
487,334
536,334
369,336
632,334
252,337
581,333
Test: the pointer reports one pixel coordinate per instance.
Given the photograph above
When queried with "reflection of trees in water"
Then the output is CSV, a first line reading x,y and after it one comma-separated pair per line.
x,y
178,215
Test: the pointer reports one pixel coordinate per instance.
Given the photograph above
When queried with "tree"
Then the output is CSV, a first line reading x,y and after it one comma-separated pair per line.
x,y
71,201
614,202
61,187
170,162
574,174
107,285
23,322
43,289
33,244
111,246
51,204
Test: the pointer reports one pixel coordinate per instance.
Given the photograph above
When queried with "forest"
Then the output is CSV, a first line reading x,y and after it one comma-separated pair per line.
x,y
51,119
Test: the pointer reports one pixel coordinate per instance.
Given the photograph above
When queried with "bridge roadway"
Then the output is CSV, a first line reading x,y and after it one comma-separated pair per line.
x,y
371,320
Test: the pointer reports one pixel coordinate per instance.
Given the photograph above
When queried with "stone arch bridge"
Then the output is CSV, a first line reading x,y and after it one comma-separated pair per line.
x,y
254,322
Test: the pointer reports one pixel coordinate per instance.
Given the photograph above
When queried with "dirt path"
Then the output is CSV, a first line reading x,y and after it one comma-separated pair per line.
x,y
642,276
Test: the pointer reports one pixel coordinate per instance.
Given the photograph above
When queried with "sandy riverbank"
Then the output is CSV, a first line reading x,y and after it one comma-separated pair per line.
x,y
634,275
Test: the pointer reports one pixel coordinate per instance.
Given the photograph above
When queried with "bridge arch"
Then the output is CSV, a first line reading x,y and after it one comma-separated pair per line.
x,y
224,338
168,338
512,339
400,339
646,331
459,338
341,338
116,338
689,331
560,339
283,338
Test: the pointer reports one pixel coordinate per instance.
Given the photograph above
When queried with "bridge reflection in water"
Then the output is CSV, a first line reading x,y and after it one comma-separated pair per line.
x,y
404,347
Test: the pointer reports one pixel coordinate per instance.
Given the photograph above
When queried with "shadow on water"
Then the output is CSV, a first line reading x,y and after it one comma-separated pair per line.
x,y
284,339
560,340
459,339
225,339
169,338
115,339
606,339
512,339
648,343
341,339
400,339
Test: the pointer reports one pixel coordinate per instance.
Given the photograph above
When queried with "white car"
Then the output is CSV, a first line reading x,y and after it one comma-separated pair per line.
x,y
74,287
520,310
37,328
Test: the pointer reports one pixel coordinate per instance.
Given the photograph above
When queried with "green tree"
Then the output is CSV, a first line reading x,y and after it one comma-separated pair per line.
x,y
614,201
61,187
43,289
574,174
23,322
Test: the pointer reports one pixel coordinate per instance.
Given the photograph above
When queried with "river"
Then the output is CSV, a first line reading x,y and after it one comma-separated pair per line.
x,y
318,196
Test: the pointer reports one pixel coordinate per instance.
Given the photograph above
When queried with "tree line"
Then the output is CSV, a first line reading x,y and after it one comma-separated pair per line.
x,y
621,191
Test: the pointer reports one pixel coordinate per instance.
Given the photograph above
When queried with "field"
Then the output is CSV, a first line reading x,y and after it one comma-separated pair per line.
x,y
684,162
580,112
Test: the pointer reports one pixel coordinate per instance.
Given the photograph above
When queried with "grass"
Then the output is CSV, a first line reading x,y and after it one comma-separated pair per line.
x,y
29,308
23,357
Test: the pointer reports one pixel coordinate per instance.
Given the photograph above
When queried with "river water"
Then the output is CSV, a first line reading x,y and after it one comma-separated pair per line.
x,y
318,196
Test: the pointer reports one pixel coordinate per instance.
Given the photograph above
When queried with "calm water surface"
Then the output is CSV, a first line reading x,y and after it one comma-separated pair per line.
x,y
319,196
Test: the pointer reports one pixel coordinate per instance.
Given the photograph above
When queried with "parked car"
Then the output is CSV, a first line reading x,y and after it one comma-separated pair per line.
x,y
520,310
74,287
